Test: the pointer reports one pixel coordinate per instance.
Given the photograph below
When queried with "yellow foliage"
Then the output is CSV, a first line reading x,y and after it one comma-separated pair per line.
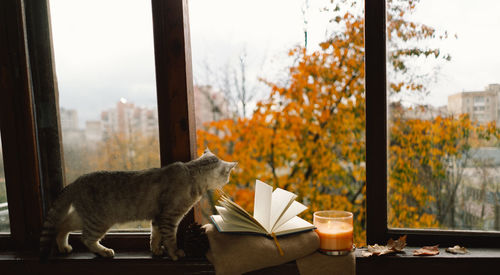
x,y
423,156
308,136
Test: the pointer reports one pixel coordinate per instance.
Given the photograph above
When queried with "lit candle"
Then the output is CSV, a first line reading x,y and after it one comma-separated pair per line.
x,y
334,229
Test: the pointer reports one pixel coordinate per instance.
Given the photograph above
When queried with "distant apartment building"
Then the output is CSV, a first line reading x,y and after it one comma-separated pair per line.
x,y
126,118
69,119
482,106
93,131
71,134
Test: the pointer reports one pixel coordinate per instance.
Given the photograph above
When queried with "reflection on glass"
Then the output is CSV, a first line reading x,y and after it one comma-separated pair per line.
x,y
284,96
444,154
4,211
105,68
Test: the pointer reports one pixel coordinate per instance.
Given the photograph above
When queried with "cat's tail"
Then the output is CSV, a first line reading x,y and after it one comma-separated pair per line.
x,y
55,215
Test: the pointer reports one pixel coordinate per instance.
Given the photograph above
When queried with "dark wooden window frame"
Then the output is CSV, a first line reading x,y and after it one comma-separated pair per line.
x,y
30,127
376,149
26,50
17,122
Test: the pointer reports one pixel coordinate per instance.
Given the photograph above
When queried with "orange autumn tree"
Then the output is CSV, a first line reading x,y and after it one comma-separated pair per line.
x,y
308,136
427,159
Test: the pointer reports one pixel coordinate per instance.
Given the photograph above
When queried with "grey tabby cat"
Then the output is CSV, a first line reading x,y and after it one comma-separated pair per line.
x,y
96,201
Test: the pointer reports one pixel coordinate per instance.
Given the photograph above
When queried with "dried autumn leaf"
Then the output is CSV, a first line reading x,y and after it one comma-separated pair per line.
x,y
427,251
365,253
397,245
391,247
457,249
380,249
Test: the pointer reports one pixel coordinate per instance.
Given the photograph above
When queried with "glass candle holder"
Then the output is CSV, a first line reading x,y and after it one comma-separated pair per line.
x,y
335,231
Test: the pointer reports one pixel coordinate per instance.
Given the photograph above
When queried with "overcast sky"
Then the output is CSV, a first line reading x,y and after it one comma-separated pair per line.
x,y
475,56
105,53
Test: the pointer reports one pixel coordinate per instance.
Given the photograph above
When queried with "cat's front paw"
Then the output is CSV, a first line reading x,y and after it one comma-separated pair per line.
x,y
175,255
157,250
106,253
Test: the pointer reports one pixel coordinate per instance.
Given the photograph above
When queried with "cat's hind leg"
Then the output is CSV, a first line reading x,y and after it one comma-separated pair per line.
x,y
71,222
92,236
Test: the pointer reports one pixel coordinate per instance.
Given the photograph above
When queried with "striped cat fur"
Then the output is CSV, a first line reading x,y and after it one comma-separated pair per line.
x,y
95,202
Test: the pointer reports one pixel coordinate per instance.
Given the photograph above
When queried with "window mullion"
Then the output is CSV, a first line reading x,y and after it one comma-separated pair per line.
x,y
376,117
174,83
18,128
45,96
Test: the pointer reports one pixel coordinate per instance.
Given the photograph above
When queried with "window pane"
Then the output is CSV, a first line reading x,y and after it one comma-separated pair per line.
x,y
284,96
106,77
443,150
4,211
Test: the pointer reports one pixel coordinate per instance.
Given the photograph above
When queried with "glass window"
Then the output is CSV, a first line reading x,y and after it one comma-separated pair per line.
x,y
106,79
4,211
285,100
444,170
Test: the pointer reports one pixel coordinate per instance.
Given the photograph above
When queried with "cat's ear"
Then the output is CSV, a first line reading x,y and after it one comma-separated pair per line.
x,y
232,165
206,150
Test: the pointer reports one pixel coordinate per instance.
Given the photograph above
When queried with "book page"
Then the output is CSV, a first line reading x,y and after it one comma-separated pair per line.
x,y
235,209
262,204
231,217
296,224
281,200
223,226
292,211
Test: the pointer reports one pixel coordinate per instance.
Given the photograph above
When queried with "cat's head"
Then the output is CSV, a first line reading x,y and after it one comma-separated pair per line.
x,y
215,170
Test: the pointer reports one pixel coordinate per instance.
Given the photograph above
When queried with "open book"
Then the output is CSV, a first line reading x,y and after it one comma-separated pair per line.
x,y
274,214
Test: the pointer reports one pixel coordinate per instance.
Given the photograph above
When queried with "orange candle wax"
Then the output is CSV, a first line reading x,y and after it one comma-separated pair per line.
x,y
335,235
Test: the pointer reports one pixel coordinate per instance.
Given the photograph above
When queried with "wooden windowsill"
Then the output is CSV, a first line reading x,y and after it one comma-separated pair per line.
x,y
137,262
408,253
133,262
477,261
